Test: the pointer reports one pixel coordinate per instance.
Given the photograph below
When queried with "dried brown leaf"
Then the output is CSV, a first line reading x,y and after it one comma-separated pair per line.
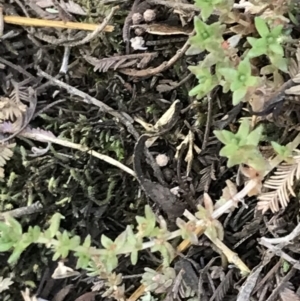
x,y
208,174
281,186
90,296
223,288
293,90
61,294
120,61
38,132
287,295
69,6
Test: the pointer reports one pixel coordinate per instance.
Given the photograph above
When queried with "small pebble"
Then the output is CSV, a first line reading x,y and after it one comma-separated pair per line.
x,y
137,18
149,15
162,160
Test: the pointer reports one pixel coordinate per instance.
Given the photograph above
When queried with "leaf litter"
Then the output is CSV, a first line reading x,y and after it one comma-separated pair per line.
x,y
64,85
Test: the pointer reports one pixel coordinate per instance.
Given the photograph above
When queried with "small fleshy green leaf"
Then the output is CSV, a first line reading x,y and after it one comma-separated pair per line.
x,y
251,81
234,160
4,227
74,242
212,232
15,255
261,26
64,252
199,25
55,223
105,241
36,231
254,137
112,263
276,31
226,137
16,226
120,240
243,130
228,73
201,213
280,63
259,47
228,150
277,49
5,246
236,85
219,229
65,239
194,50
238,95
198,90
285,266
206,12
244,67
282,150
277,147
87,241
251,41
134,257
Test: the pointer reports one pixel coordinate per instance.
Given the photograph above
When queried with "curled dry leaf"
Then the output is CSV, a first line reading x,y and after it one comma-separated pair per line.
x,y
5,283
63,271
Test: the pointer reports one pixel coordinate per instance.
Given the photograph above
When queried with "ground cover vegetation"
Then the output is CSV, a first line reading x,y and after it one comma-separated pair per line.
x,y
149,150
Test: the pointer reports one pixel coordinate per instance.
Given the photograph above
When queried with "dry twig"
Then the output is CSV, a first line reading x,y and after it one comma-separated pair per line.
x,y
164,66
19,212
96,32
23,21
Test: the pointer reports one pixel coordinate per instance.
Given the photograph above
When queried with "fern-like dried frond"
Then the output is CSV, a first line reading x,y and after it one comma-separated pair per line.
x,y
140,60
11,110
280,185
5,155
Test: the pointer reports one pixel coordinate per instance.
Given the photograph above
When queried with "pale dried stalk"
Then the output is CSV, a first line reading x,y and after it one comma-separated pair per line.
x,y
42,137
24,21
285,239
231,256
19,212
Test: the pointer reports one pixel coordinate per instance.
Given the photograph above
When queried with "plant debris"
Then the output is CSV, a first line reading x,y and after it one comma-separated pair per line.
x,y
149,150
